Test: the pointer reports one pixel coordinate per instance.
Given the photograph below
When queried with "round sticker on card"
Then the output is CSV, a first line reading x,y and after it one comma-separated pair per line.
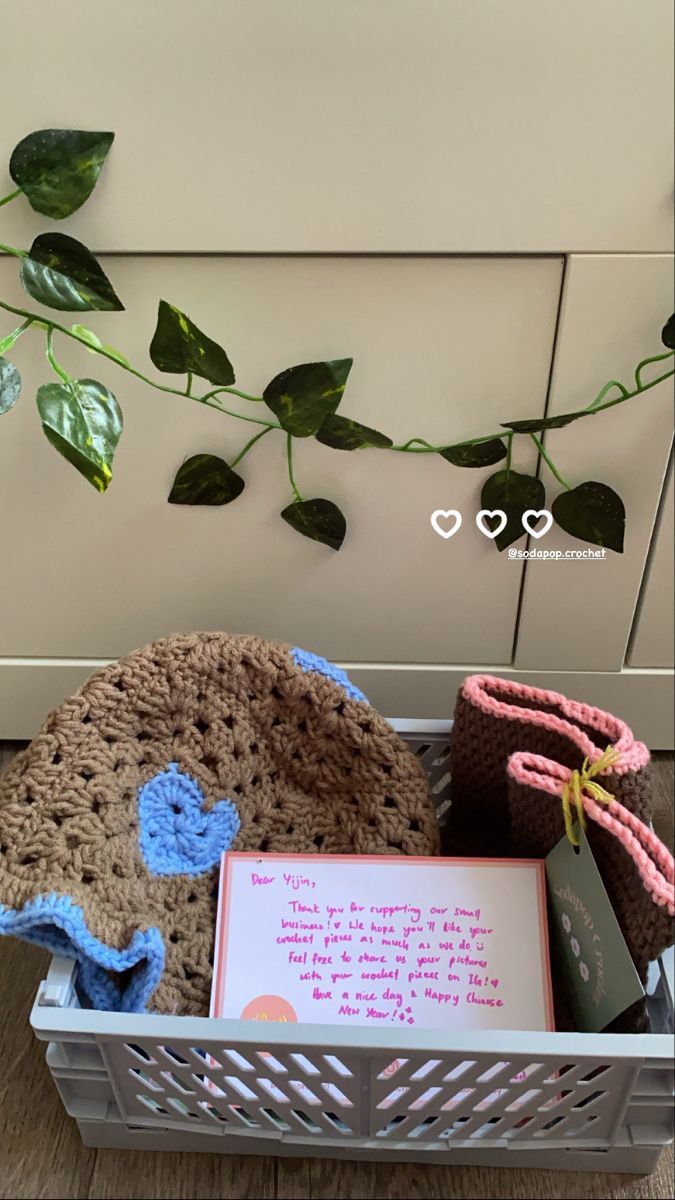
x,y
269,1008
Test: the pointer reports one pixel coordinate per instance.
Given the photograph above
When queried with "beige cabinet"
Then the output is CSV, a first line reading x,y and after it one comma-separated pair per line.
x,y
444,349
652,644
578,615
462,197
359,126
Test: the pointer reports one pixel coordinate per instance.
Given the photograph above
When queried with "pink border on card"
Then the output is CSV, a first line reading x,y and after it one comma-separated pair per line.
x,y
220,952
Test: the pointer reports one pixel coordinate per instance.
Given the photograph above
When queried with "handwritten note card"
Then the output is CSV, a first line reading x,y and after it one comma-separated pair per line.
x,y
342,939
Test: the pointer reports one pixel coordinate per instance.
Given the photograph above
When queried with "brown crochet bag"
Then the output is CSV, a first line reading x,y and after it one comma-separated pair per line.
x,y
636,868
513,750
495,718
113,820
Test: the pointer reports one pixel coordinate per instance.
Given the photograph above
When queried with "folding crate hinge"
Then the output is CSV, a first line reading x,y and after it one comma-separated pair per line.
x,y
58,989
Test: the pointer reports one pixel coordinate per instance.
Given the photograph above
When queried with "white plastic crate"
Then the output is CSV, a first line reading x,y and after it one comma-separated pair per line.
x,y
576,1101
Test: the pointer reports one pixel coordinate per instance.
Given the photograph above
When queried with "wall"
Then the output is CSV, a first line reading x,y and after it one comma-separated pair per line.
x,y
472,200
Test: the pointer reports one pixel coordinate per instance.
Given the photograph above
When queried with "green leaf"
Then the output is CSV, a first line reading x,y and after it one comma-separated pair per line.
x,y
58,168
95,344
318,519
537,424
483,454
178,347
302,397
10,385
592,512
513,494
61,273
87,335
668,333
205,479
82,419
341,433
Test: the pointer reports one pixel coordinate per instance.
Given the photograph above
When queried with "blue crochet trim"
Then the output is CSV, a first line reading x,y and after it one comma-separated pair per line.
x,y
306,661
58,924
177,836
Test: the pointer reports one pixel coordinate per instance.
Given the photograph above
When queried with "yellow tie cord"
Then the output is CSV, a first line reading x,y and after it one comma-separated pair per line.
x,y
580,781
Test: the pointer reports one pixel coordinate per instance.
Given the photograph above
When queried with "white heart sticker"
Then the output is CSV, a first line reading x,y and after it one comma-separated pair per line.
x,y
446,514
487,512
530,518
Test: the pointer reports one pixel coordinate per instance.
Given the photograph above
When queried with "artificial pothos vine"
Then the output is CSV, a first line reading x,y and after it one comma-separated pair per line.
x,y
56,170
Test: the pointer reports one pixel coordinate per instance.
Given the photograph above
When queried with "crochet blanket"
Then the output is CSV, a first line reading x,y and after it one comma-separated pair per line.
x,y
113,820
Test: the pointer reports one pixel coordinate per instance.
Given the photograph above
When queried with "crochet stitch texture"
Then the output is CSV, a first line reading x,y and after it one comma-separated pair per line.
x,y
267,735
177,836
499,807
495,718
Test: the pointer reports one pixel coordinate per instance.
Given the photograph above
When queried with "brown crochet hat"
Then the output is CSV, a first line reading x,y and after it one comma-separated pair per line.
x,y
113,820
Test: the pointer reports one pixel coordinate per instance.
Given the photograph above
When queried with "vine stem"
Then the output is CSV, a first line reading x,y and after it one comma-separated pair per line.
x,y
210,399
231,391
509,448
594,407
289,459
13,250
11,196
427,448
101,350
550,464
412,446
644,387
613,383
12,338
251,442
645,362
212,402
52,360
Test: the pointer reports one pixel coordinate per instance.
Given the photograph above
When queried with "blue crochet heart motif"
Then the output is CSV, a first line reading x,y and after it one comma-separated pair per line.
x,y
177,836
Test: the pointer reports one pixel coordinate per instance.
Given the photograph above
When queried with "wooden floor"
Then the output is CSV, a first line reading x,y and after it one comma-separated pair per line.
x,y
41,1154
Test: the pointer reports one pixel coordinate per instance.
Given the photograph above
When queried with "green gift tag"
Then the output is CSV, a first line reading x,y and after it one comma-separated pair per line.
x,y
587,939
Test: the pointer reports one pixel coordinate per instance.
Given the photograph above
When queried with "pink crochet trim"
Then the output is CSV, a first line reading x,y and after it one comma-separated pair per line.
x,y
652,859
500,698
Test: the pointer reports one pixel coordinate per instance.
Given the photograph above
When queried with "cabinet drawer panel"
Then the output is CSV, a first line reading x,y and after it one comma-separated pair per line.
x,y
387,125
444,349
577,615
652,644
